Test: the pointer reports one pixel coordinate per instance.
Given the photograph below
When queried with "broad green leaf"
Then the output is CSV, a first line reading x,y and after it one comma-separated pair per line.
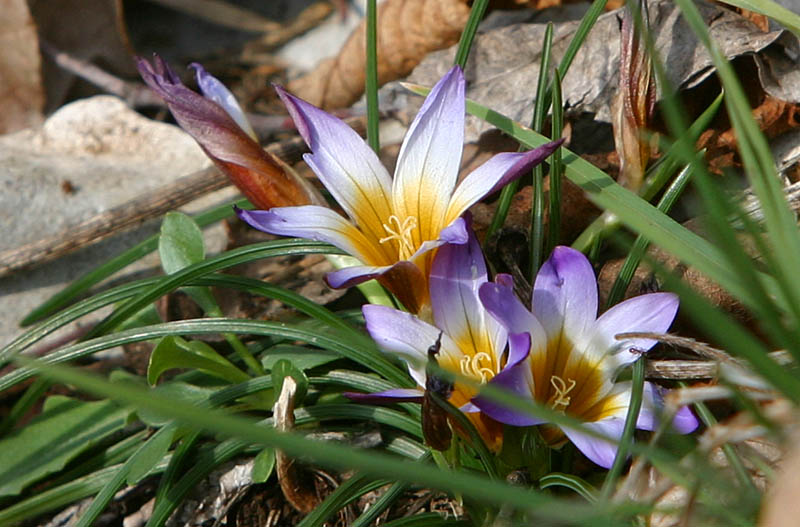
x,y
175,352
181,242
263,465
176,391
284,368
65,429
180,246
302,358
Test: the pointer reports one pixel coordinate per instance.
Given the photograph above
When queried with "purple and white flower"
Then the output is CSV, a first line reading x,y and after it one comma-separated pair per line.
x,y
393,224
473,343
574,356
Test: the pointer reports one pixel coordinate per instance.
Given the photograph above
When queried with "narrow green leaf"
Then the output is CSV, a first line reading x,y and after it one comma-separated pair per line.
x,y
540,109
635,404
135,468
110,267
639,247
347,492
332,455
556,167
470,28
574,483
227,259
639,215
362,352
371,88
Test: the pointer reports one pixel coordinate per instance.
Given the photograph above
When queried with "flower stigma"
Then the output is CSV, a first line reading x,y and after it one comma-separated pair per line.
x,y
402,233
560,400
472,367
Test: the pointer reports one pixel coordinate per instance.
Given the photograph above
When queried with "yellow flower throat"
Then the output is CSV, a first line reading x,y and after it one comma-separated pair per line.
x,y
401,231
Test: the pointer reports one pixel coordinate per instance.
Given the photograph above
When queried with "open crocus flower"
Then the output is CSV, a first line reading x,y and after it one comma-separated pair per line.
x,y
472,342
219,126
574,356
393,223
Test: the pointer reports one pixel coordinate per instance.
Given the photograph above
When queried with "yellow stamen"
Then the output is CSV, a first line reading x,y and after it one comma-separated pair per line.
x,y
560,400
402,233
471,366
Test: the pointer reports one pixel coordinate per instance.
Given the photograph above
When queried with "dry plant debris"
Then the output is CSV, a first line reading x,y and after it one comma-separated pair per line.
x,y
407,31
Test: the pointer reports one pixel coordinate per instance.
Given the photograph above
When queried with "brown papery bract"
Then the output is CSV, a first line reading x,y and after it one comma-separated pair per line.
x,y
407,31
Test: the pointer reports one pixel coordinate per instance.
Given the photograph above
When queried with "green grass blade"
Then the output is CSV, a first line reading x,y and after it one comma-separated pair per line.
x,y
350,490
758,166
627,433
72,313
327,454
556,167
106,494
540,108
237,256
574,483
639,215
369,357
142,249
639,247
371,88
586,25
467,36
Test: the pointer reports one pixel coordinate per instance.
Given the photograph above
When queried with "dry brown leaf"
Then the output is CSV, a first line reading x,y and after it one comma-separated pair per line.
x,y
21,92
407,31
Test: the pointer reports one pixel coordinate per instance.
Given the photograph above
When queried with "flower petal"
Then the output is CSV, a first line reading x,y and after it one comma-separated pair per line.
x,y
500,300
457,273
565,295
683,422
427,165
598,450
397,395
213,89
456,232
347,167
404,334
313,223
495,174
651,313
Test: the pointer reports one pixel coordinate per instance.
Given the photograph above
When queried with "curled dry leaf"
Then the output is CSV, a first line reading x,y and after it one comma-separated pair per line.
x,y
635,101
296,490
407,31
21,92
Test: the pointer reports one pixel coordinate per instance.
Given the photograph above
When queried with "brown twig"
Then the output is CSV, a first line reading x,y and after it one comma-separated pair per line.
x,y
135,94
